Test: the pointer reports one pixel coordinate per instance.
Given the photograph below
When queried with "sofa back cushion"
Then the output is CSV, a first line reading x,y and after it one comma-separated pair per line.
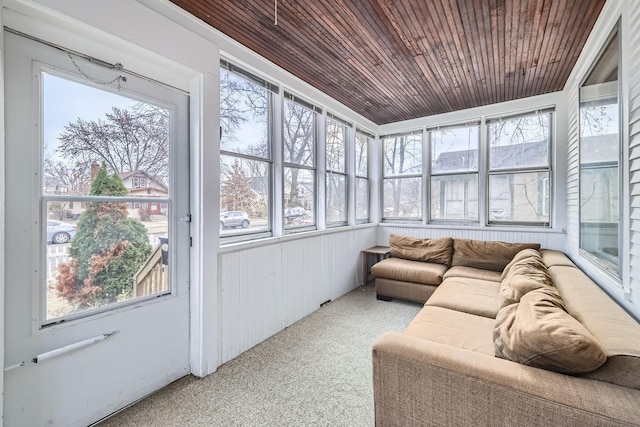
x,y
427,250
490,255
537,331
525,273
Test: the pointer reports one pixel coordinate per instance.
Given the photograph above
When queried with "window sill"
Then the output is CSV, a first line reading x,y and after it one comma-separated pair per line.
x,y
250,244
475,227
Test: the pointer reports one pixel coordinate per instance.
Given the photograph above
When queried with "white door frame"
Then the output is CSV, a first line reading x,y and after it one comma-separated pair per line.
x,y
158,53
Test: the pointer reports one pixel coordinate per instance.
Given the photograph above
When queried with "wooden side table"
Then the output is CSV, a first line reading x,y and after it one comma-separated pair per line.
x,y
380,253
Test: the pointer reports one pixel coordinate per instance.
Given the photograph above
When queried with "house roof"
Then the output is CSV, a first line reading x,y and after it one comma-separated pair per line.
x,y
126,175
394,60
502,157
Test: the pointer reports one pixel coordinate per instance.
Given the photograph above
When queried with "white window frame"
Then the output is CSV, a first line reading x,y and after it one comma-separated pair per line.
x,y
433,174
313,168
274,91
513,171
367,143
419,175
346,130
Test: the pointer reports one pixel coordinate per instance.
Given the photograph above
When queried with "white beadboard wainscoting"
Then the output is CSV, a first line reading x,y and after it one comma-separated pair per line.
x,y
547,238
263,288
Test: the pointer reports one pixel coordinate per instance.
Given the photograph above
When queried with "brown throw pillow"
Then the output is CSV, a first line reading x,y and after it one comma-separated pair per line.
x,y
526,273
523,254
426,250
538,332
490,255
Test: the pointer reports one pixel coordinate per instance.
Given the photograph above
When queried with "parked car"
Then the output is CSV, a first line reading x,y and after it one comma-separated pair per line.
x,y
234,219
59,232
293,213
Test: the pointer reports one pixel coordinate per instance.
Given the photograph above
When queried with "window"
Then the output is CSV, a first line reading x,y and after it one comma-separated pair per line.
x,y
299,138
99,250
402,176
600,147
454,172
362,175
519,169
245,153
336,190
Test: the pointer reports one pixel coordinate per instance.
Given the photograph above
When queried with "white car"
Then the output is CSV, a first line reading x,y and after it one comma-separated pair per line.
x,y
234,219
59,232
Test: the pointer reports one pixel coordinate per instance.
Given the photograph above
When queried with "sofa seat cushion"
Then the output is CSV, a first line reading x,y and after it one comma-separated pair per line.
x,y
438,251
409,271
538,332
472,296
489,255
616,331
472,273
453,328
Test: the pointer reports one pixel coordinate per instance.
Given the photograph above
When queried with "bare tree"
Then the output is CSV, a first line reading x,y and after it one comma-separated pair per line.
x,y
126,140
299,129
402,156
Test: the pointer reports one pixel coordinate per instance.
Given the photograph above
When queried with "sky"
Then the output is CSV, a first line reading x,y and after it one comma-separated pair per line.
x,y
66,100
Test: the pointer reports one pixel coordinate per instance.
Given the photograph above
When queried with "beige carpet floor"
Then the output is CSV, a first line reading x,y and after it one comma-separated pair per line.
x,y
316,372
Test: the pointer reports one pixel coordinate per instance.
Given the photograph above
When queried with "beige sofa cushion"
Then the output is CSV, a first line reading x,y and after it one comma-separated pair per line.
x,y
453,328
473,296
538,332
409,271
523,254
488,255
616,331
472,273
525,273
427,250
554,258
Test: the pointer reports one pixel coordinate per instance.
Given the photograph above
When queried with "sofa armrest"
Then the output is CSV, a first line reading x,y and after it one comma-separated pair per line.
x,y
420,382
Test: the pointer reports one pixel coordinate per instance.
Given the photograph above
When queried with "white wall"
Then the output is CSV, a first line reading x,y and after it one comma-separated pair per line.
x,y
266,287
627,289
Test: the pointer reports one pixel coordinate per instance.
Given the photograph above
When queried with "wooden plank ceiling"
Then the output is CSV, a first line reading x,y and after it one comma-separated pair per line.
x,y
393,60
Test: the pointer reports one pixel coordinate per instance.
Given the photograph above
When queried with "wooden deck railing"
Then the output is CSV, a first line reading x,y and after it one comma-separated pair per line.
x,y
152,277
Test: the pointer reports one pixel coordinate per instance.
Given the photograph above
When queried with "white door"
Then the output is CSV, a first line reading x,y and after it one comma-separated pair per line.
x,y
97,236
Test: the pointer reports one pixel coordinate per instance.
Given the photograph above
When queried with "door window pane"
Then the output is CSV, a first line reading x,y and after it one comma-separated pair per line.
x,y
102,145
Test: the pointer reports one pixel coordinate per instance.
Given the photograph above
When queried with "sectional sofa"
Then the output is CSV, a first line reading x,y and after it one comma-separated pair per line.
x,y
509,335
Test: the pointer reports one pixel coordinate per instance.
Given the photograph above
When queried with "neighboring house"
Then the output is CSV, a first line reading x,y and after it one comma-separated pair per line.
x,y
141,184
509,192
